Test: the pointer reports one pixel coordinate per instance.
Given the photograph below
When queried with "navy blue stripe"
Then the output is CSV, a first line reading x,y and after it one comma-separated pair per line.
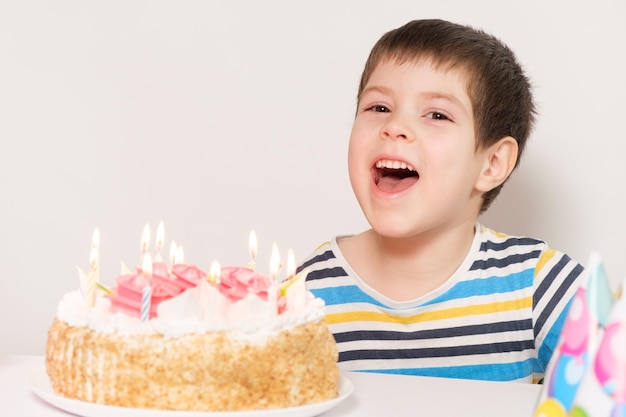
x,y
504,262
556,298
437,352
319,258
547,281
509,242
327,273
488,328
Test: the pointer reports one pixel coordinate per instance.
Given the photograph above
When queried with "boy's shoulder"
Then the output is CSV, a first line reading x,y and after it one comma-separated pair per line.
x,y
491,235
492,242
322,253
495,247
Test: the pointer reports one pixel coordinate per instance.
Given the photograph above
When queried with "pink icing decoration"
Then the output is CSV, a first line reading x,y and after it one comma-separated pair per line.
x,y
237,282
158,269
127,294
188,275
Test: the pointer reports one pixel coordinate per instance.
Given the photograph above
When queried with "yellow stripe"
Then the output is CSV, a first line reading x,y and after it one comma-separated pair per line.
x,y
518,304
499,235
323,244
545,258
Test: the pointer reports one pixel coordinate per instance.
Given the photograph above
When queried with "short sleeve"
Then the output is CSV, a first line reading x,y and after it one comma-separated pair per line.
x,y
556,280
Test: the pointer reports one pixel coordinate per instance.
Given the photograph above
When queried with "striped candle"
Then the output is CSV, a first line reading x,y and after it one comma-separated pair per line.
x,y
146,302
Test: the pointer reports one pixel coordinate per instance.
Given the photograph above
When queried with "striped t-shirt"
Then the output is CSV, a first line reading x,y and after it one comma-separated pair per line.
x,y
497,318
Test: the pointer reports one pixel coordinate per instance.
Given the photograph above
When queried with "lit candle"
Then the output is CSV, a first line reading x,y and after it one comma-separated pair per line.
x,y
274,263
146,302
146,266
215,272
145,240
179,258
160,241
92,278
272,291
173,249
95,246
252,246
291,264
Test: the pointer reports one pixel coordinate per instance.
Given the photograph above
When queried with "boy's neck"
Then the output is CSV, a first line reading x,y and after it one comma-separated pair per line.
x,y
408,268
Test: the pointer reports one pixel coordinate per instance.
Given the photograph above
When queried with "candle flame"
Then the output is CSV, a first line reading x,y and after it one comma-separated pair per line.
x,y
146,267
252,244
274,262
145,238
160,237
215,273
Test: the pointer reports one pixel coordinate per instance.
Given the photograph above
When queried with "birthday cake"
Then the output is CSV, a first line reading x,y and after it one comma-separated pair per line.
x,y
173,337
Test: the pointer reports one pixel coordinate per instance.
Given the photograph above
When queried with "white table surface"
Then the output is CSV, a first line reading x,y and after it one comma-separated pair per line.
x,y
375,395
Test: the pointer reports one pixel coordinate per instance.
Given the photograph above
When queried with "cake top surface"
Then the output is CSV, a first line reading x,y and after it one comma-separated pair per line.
x,y
178,298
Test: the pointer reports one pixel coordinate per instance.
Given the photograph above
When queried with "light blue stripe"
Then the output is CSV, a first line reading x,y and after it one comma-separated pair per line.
x,y
343,295
470,288
487,286
488,372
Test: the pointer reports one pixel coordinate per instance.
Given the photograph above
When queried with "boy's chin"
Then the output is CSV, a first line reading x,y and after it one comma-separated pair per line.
x,y
389,230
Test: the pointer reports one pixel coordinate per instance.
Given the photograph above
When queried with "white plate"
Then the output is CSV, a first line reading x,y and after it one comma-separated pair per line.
x,y
40,384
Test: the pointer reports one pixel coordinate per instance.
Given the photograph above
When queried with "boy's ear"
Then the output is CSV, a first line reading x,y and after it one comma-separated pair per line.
x,y
498,164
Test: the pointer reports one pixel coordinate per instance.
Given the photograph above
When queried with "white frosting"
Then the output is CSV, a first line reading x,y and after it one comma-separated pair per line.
x,y
198,310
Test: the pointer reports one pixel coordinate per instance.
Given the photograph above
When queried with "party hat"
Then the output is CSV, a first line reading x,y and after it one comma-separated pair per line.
x,y
602,393
588,313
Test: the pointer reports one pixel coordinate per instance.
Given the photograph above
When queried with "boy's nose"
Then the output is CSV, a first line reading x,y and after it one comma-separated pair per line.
x,y
394,128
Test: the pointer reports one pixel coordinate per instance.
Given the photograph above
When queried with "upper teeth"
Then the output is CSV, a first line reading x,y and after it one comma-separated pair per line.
x,y
386,163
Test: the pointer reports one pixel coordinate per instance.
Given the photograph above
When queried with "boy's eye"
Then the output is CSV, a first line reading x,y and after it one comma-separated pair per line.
x,y
379,108
435,115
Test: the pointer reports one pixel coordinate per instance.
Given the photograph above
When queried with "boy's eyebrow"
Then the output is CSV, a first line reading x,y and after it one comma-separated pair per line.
x,y
431,95
375,88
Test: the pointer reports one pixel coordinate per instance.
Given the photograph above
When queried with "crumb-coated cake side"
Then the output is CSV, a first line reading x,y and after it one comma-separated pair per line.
x,y
198,372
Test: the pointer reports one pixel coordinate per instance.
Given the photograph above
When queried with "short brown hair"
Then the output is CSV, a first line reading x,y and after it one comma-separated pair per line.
x,y
499,90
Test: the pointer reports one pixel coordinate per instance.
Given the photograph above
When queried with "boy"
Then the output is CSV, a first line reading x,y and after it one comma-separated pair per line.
x,y
443,114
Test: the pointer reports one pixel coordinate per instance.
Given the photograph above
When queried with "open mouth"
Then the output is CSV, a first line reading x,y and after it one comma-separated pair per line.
x,y
394,176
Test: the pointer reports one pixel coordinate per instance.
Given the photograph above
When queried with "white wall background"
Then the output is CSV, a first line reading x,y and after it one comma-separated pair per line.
x,y
220,117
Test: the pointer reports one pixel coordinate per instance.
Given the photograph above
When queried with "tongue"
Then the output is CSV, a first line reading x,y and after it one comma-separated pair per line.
x,y
391,184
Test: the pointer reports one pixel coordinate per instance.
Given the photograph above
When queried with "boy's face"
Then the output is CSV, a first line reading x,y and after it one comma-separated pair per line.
x,y
412,157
